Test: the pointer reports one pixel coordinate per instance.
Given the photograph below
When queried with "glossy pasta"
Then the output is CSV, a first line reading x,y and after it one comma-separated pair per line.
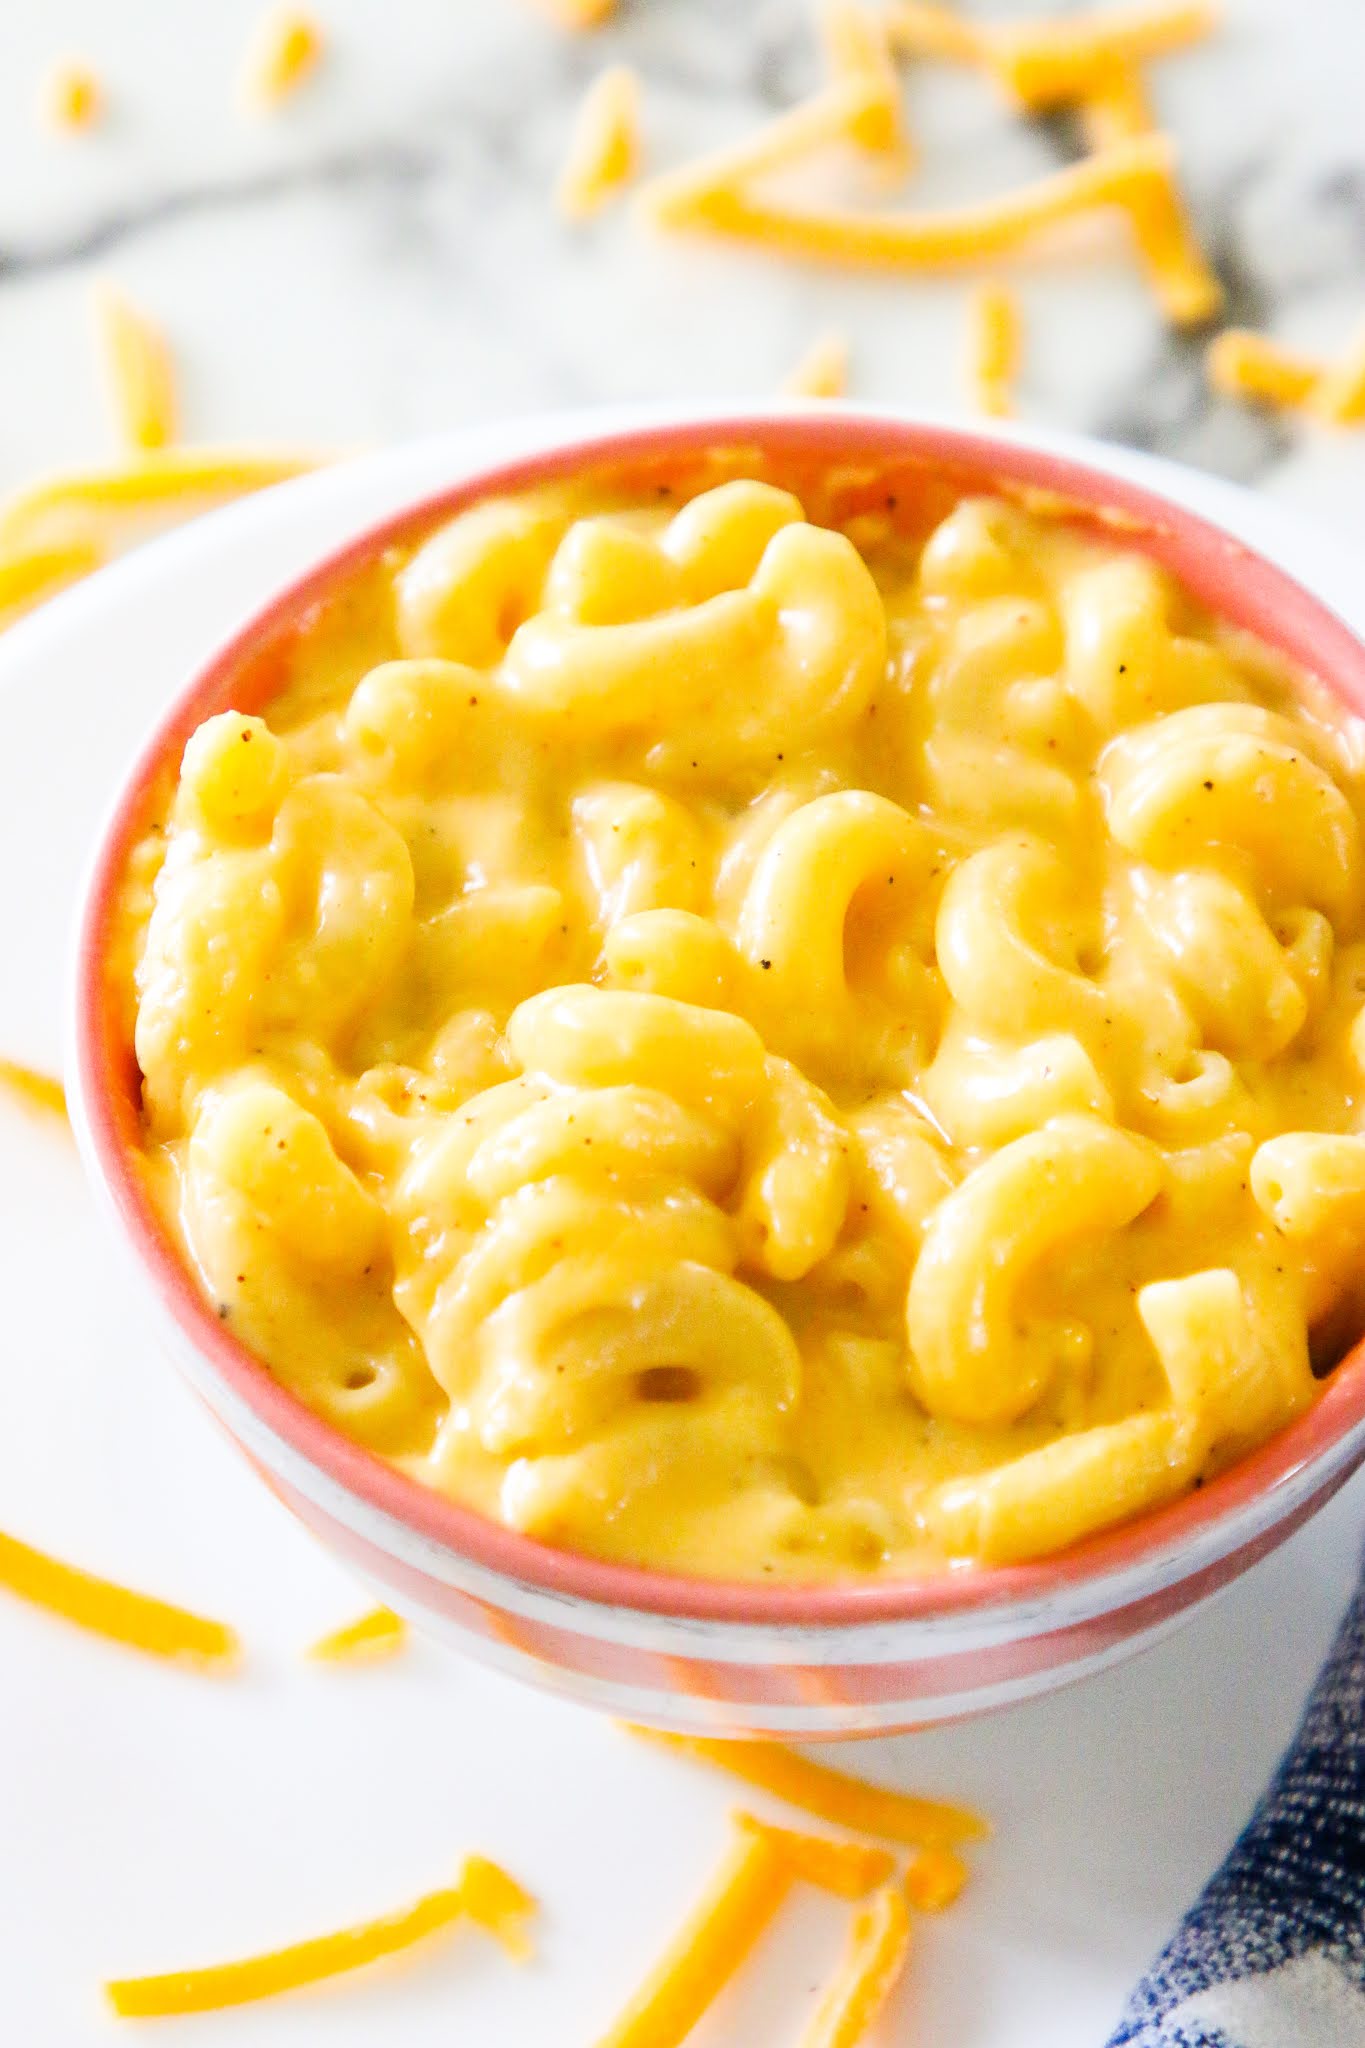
x,y
753,1030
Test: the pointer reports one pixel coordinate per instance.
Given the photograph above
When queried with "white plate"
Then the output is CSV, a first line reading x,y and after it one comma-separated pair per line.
x,y
150,1819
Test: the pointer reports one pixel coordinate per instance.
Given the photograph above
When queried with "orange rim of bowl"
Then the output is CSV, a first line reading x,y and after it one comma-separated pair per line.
x,y
1233,580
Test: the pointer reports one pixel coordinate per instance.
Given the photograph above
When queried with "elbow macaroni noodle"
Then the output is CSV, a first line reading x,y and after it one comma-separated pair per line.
x,y
731,1030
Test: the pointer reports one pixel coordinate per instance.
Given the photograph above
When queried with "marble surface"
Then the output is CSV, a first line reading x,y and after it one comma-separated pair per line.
x,y
381,259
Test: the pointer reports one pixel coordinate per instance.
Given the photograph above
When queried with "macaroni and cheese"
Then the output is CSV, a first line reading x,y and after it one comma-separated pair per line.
x,y
769,1034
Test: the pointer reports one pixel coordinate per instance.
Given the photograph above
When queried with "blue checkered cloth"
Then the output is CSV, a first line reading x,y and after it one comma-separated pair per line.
x,y
1272,1955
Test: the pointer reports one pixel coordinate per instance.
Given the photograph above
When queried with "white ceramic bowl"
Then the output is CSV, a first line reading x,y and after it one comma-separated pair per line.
x,y
681,1652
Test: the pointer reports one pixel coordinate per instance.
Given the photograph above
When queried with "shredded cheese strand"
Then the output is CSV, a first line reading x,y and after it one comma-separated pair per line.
x,y
27,575
39,1091
1133,176
604,148
1116,107
72,97
831,1795
822,371
1046,63
285,49
836,113
498,1904
286,1969
933,1879
850,1870
134,1619
1340,397
869,1972
997,335
380,1633
922,29
162,476
1185,286
138,372
577,15
1242,364
857,47
738,1905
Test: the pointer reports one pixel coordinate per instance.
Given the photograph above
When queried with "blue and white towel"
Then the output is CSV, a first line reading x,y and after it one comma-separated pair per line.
x,y
1272,1955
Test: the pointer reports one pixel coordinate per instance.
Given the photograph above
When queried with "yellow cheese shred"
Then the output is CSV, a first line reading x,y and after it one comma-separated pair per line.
x,y
138,371
285,49
822,371
839,112
41,514
1116,106
832,1796
39,1091
304,1962
1135,177
28,575
737,1907
72,97
933,1879
1185,285
1091,61
604,148
134,1619
1242,364
1340,397
869,1972
857,48
848,1869
496,1902
995,348
380,1633
1046,63
577,15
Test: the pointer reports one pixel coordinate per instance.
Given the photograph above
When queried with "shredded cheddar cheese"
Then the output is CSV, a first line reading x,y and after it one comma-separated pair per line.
x,y
39,1091
822,371
577,15
72,97
933,1879
285,50
857,48
42,514
1116,106
845,1802
1340,397
377,1634
1135,177
1047,63
139,373
28,575
848,1869
604,149
1242,364
1182,280
995,349
497,1903
869,1972
1092,62
737,1907
837,113
304,1962
134,1619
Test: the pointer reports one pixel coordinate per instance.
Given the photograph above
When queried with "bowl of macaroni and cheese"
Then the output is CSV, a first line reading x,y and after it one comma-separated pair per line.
x,y
734,1054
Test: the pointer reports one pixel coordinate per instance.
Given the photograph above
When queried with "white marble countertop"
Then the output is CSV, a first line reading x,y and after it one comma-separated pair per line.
x,y
381,258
